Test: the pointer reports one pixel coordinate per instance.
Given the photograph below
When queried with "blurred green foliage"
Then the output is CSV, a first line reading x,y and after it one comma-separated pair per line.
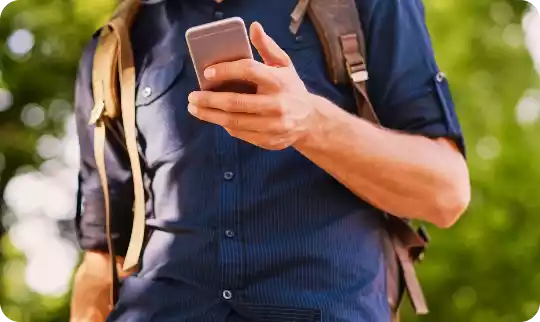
x,y
486,269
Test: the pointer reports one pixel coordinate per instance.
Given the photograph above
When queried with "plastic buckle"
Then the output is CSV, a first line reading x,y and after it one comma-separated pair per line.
x,y
359,76
97,113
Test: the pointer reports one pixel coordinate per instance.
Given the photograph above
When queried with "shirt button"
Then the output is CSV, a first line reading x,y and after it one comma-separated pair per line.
x,y
147,91
228,175
298,39
218,15
229,233
440,77
227,294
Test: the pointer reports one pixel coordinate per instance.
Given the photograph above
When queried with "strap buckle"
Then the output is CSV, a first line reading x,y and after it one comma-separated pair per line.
x,y
355,63
97,112
358,76
99,108
297,15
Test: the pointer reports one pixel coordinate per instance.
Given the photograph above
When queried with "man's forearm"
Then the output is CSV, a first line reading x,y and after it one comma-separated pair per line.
x,y
406,175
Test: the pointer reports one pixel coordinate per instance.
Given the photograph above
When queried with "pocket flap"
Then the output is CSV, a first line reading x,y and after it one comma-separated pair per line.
x,y
158,78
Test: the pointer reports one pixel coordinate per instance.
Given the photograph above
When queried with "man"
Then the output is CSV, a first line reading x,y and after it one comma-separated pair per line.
x,y
269,206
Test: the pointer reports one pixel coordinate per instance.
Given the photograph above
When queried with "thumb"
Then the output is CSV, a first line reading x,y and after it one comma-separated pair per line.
x,y
269,50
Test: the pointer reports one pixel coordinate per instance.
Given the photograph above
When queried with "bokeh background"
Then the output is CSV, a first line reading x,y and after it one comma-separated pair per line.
x,y
485,269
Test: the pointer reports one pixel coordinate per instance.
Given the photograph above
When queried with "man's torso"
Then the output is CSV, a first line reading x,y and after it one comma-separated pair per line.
x,y
267,234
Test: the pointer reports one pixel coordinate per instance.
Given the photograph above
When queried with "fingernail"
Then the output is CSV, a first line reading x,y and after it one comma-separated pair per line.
x,y
192,108
209,73
192,97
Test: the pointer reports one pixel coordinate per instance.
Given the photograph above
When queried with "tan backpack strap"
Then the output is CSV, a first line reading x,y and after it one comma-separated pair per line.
x,y
127,11
127,84
99,144
113,59
105,52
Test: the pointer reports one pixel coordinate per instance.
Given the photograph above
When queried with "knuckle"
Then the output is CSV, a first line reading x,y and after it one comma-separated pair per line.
x,y
281,110
250,68
230,122
237,102
227,122
228,103
287,124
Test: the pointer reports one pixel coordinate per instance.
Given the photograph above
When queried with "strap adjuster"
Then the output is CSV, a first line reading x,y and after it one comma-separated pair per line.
x,y
97,113
99,108
359,76
298,15
355,63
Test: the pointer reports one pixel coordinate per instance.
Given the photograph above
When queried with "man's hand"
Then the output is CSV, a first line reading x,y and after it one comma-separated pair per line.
x,y
90,301
409,176
278,116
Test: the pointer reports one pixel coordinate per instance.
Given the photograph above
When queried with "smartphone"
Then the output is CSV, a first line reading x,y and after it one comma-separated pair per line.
x,y
216,42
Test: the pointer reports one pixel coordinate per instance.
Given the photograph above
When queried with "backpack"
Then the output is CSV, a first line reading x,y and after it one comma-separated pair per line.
x,y
340,31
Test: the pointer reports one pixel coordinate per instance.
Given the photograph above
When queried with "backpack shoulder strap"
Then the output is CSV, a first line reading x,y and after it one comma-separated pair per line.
x,y
113,64
340,30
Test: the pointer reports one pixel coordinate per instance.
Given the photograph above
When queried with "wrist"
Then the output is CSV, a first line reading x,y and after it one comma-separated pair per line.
x,y
323,120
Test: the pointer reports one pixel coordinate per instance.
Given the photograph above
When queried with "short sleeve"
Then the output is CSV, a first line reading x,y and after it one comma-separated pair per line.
x,y
90,221
408,91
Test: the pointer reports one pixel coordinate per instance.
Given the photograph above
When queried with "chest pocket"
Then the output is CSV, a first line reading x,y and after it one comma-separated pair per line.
x,y
165,126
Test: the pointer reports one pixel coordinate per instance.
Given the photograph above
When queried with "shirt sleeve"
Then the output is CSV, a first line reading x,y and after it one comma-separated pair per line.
x,y
90,222
407,89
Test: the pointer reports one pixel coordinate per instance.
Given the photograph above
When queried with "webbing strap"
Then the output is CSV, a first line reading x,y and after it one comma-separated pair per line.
x,y
411,280
113,62
126,69
356,68
99,143
104,52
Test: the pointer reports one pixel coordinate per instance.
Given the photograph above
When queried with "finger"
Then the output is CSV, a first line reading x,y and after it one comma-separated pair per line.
x,y
247,70
237,121
235,102
269,50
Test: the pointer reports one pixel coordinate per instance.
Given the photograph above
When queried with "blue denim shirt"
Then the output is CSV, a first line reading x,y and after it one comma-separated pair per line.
x,y
238,231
